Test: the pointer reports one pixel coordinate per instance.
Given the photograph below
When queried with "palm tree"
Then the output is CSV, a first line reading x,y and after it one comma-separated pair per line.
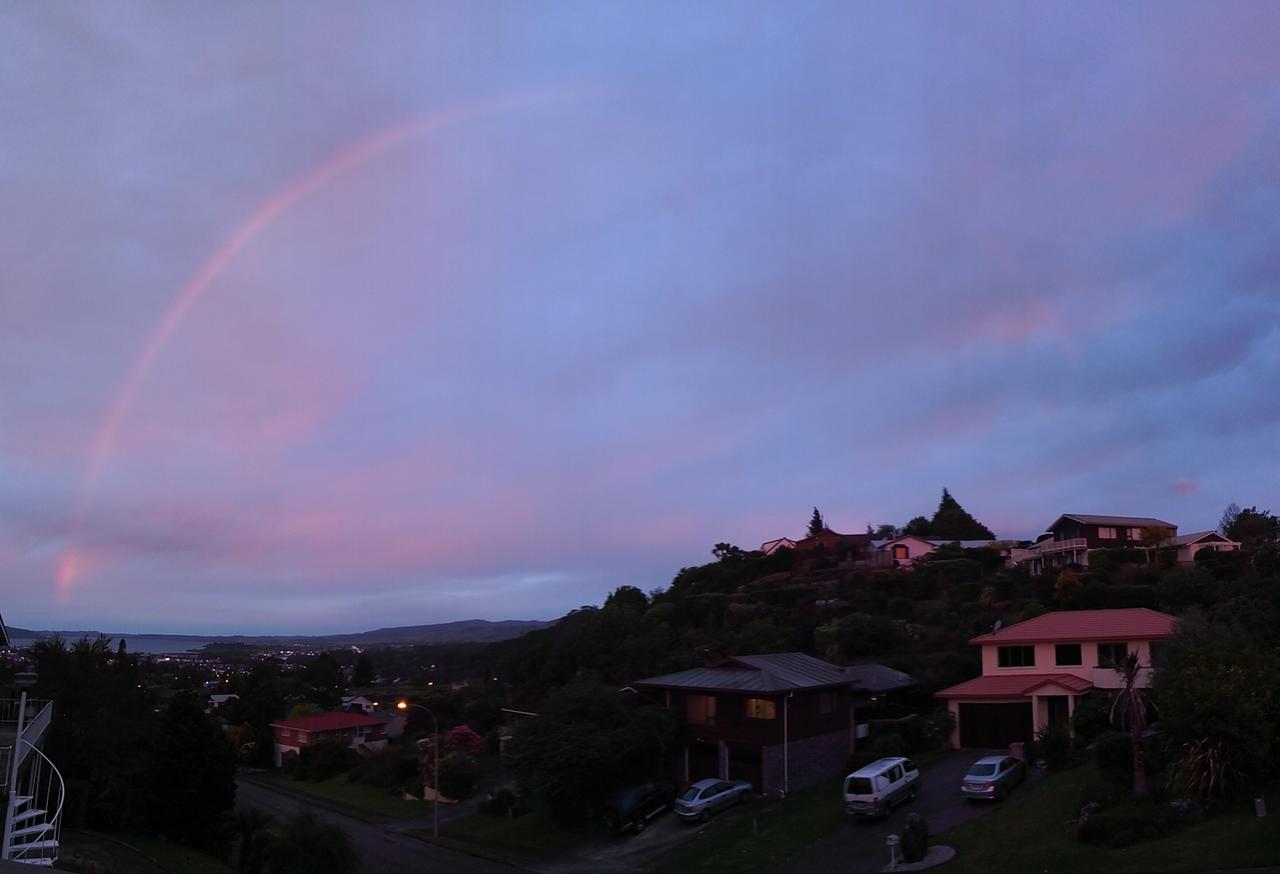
x,y
1131,704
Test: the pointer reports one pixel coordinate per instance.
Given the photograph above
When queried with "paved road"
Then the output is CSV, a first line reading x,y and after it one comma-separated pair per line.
x,y
860,848
382,849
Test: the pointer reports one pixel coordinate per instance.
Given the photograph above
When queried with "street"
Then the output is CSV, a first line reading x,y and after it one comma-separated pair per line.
x,y
381,848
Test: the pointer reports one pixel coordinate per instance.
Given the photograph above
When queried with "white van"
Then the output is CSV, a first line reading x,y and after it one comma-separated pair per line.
x,y
876,789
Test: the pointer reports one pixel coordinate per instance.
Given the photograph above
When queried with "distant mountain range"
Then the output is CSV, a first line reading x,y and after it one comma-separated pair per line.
x,y
463,631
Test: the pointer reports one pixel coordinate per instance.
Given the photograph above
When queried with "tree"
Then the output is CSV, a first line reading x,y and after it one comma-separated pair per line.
x,y
252,825
816,523
886,531
727,553
1130,704
363,673
1067,587
1228,518
918,527
1253,529
306,845
952,522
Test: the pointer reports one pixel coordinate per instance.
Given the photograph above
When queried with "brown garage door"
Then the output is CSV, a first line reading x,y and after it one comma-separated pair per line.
x,y
995,726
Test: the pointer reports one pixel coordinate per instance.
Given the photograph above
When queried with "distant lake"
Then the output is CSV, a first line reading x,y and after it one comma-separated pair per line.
x,y
137,645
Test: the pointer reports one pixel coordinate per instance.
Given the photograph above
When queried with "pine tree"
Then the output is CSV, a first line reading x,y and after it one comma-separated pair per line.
x,y
816,525
951,522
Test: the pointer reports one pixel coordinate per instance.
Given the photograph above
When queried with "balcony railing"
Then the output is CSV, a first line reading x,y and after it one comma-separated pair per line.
x,y
1047,546
9,709
1107,678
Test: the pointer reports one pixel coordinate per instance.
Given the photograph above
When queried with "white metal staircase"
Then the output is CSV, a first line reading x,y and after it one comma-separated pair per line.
x,y
33,787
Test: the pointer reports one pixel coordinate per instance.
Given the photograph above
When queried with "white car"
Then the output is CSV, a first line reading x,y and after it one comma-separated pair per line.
x,y
705,797
876,789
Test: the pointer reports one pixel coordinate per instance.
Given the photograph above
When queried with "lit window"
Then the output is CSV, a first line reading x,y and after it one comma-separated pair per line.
x,y
901,552
1135,533
760,708
1106,534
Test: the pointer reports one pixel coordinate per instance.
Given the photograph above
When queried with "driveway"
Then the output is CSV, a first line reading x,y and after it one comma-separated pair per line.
x,y
860,846
382,849
623,854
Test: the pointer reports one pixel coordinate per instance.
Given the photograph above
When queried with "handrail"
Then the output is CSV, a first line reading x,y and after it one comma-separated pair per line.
x,y
37,724
54,821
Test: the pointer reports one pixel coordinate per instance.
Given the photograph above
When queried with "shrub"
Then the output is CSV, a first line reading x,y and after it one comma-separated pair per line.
x,y
891,744
462,740
504,803
389,768
1103,793
901,608
1113,751
1053,745
1125,825
1092,717
327,758
458,776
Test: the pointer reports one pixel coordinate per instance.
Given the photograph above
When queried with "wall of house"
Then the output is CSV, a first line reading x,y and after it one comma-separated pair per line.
x,y
807,761
1046,659
731,724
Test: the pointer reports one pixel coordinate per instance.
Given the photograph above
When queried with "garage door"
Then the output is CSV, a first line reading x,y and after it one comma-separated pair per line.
x,y
995,726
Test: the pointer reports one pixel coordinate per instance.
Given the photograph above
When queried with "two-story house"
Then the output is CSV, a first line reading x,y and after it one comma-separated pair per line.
x,y
360,732
1072,535
1034,672
782,720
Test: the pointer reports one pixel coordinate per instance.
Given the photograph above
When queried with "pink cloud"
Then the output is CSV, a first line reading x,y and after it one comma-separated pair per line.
x,y
1184,486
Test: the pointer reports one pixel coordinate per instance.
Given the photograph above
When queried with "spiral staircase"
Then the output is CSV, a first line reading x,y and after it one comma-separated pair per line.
x,y
33,788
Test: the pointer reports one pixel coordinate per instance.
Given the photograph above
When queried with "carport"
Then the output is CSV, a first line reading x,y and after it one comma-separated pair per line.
x,y
995,725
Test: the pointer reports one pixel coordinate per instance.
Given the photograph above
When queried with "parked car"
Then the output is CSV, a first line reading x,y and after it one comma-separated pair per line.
x,y
993,777
875,789
706,797
631,809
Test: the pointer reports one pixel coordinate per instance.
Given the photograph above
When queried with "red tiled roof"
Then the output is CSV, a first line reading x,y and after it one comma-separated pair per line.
x,y
329,722
1012,685
1137,623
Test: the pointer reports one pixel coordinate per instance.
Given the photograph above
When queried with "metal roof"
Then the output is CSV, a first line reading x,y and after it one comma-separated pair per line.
x,y
879,678
1012,685
770,674
1073,626
1186,539
329,722
1118,521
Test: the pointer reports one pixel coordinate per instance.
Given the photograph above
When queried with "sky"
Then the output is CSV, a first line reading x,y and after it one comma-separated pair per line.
x,y
322,317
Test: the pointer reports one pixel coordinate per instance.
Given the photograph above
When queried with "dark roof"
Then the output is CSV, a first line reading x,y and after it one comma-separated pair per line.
x,y
879,678
1124,624
770,674
1188,539
1118,521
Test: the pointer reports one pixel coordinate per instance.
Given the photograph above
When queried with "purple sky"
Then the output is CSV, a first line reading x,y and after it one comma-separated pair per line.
x,y
314,320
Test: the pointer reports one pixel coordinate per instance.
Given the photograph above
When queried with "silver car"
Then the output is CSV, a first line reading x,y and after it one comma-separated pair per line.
x,y
706,797
993,777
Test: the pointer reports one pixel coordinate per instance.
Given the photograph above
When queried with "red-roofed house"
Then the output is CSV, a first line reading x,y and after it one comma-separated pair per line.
x,y
362,733
1034,672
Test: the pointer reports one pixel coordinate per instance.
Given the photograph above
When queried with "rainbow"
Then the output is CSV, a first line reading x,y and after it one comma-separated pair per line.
x,y
72,564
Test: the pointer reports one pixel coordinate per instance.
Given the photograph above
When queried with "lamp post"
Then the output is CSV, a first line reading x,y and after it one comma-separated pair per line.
x,y
403,705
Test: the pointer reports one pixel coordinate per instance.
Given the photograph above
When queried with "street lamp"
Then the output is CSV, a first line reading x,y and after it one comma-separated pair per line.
x,y
402,706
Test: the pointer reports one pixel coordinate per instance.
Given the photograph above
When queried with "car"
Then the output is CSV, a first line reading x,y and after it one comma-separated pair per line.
x,y
993,777
703,798
631,809
875,789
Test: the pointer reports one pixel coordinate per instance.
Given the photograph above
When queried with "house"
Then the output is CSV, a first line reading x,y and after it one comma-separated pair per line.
x,y
782,720
839,548
1189,544
1072,535
216,702
1035,672
904,551
360,732
359,703
771,546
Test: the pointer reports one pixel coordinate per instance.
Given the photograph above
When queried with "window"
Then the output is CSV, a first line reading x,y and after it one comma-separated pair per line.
x,y
760,708
901,552
701,709
826,702
1106,534
1111,654
1135,533
1016,657
1067,654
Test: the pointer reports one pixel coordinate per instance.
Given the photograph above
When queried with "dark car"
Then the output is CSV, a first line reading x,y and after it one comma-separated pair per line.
x,y
631,809
993,777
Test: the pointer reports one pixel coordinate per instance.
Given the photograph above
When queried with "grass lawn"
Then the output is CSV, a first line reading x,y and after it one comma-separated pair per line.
x,y
771,832
355,799
524,840
180,859
1029,833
